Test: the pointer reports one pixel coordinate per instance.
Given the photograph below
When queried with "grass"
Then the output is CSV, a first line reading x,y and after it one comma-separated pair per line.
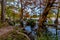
x,y
14,36
47,36
5,24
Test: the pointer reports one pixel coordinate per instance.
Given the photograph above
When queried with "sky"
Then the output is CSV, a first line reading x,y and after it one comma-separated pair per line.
x,y
37,10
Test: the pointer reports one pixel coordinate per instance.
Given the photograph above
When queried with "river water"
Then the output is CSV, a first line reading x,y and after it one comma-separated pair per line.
x,y
51,29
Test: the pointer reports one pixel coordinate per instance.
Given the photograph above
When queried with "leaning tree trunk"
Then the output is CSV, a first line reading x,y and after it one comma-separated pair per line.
x,y
43,18
3,5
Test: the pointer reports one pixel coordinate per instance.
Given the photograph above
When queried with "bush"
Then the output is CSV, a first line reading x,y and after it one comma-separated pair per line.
x,y
31,22
5,24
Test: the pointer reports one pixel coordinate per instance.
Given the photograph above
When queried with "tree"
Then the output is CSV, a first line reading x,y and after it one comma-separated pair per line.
x,y
43,18
3,5
27,15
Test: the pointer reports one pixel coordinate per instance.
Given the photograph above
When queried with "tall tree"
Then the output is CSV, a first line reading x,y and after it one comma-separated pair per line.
x,y
3,5
21,13
43,18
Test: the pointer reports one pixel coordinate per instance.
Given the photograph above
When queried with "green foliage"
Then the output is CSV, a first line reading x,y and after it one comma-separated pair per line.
x,y
14,36
5,24
47,36
31,22
34,16
50,22
10,14
41,38
8,11
12,23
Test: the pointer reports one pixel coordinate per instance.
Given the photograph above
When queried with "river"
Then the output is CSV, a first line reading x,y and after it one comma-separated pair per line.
x,y
51,29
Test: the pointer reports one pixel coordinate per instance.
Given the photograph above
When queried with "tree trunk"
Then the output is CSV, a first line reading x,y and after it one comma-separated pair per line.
x,y
43,18
3,5
21,14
